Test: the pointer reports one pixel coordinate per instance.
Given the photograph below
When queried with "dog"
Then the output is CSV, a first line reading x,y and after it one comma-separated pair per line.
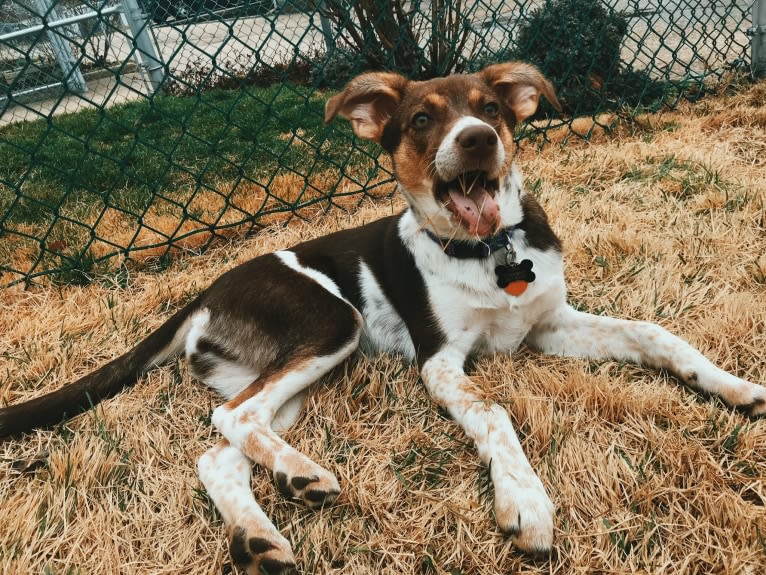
x,y
471,266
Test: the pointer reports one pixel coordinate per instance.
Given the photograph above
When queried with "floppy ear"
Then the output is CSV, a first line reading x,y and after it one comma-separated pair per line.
x,y
520,85
368,102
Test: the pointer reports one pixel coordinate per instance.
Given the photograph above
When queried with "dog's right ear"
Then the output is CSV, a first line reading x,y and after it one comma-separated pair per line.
x,y
521,86
368,102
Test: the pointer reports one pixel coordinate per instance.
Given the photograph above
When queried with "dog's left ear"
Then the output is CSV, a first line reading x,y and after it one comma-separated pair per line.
x,y
368,102
520,85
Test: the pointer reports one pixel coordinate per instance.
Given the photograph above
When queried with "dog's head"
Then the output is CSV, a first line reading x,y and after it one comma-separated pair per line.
x,y
451,139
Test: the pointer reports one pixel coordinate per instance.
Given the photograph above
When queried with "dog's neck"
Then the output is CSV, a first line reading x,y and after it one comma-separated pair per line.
x,y
475,249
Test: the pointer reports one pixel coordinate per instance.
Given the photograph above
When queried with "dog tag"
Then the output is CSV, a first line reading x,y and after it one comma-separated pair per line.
x,y
514,278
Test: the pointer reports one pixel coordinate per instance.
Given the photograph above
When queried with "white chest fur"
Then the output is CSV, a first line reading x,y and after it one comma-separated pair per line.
x,y
474,314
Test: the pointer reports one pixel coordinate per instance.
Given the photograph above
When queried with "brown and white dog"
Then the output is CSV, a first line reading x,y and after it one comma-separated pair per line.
x,y
471,266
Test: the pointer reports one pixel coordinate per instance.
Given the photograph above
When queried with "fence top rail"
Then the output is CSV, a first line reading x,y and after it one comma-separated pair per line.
x,y
60,22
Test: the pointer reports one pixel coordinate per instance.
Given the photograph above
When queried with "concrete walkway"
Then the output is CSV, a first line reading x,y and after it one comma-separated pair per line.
x,y
229,44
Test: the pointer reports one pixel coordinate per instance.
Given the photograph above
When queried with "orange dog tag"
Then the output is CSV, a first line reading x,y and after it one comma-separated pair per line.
x,y
516,288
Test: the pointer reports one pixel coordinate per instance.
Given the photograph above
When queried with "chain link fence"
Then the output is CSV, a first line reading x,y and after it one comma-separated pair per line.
x,y
133,128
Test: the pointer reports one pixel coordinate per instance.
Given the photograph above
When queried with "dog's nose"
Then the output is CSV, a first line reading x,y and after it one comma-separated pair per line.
x,y
478,140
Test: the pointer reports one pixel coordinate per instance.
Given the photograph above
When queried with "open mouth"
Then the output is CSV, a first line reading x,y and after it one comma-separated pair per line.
x,y
471,199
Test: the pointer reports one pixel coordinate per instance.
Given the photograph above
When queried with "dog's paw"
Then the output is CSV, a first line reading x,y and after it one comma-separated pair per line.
x,y
755,401
740,394
747,397
524,511
261,553
307,481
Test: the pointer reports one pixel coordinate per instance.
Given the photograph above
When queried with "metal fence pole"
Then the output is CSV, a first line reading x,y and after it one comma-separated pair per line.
x,y
73,77
140,28
758,40
329,37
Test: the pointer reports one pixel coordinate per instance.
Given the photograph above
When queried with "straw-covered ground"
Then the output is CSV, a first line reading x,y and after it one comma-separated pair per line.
x,y
663,219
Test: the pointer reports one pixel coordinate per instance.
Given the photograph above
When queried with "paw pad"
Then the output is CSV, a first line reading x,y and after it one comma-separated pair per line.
x,y
315,491
260,555
756,408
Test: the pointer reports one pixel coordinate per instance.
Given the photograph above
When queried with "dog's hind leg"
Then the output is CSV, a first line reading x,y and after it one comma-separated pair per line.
x,y
246,421
263,333
254,543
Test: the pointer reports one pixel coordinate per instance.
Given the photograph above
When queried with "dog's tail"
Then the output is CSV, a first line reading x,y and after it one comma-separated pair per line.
x,y
103,383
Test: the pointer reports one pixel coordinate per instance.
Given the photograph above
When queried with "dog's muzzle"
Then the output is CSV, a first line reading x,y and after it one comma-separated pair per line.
x,y
467,174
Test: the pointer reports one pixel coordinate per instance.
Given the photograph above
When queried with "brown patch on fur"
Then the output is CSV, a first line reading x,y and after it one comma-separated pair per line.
x,y
475,97
436,101
267,379
539,233
411,168
261,445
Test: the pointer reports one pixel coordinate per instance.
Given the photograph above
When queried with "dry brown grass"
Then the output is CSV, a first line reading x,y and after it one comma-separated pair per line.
x,y
224,208
663,220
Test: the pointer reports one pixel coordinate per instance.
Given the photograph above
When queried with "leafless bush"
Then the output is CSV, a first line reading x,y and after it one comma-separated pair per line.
x,y
419,39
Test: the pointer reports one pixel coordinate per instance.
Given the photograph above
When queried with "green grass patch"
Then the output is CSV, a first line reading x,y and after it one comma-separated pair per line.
x,y
681,179
77,189
124,156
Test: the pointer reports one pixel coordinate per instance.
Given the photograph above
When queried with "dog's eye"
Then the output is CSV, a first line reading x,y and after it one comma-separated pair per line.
x,y
420,120
491,109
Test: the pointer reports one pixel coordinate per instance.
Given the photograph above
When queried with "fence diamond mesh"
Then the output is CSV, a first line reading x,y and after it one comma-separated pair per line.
x,y
132,128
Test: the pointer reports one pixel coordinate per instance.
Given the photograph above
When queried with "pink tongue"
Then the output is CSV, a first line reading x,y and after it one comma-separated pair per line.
x,y
477,210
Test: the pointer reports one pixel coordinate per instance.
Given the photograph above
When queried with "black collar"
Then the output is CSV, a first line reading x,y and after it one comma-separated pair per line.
x,y
474,249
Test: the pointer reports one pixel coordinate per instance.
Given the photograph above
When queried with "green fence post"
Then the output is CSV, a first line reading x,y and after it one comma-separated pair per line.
x,y
758,39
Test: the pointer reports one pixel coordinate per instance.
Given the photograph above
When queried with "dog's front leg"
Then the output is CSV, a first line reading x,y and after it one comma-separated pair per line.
x,y
522,507
573,333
